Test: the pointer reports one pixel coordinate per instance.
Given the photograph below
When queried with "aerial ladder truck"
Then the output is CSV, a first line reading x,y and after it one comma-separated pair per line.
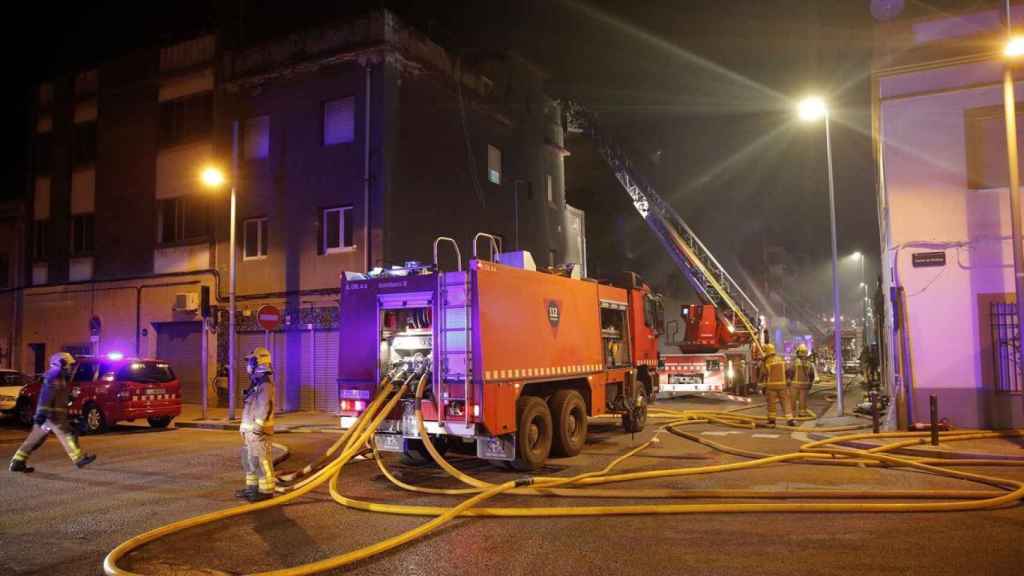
x,y
725,320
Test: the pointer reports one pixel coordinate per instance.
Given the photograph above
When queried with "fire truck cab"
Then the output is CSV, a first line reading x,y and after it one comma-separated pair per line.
x,y
518,358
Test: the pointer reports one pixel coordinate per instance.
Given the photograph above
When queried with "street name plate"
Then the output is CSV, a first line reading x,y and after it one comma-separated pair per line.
x,y
929,259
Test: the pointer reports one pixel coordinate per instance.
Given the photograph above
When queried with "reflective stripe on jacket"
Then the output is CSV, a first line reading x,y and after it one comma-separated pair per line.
x,y
802,374
774,372
53,396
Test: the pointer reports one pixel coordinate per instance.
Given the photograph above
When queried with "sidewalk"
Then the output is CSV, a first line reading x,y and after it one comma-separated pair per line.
x,y
217,419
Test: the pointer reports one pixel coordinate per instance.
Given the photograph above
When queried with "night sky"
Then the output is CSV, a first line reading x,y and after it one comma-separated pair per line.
x,y
701,91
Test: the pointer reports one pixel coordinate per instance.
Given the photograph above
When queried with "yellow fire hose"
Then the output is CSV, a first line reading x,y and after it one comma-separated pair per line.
x,y
829,451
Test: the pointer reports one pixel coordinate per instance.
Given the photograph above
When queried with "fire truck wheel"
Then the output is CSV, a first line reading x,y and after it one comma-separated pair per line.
x,y
93,421
415,453
533,436
569,413
635,419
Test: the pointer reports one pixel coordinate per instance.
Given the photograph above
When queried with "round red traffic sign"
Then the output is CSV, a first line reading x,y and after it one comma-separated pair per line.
x,y
268,317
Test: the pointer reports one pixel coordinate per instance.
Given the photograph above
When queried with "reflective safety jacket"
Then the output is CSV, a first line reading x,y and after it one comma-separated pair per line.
x,y
802,374
53,397
773,372
258,408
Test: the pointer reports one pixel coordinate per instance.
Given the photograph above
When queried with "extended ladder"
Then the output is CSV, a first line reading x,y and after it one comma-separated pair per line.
x,y
700,268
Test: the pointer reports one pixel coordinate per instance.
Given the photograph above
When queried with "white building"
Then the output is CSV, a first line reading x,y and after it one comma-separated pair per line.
x,y
943,200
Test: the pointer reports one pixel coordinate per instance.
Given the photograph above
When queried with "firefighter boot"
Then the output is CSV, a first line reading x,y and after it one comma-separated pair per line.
x,y
257,496
770,423
20,466
245,493
85,460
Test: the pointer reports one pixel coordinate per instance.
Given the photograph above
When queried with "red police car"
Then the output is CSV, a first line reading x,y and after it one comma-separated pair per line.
x,y
113,388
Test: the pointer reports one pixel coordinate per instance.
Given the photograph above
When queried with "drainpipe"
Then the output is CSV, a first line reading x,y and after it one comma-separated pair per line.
x,y
366,170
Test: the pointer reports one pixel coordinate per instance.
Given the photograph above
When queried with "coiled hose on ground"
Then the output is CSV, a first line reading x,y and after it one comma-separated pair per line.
x,y
359,437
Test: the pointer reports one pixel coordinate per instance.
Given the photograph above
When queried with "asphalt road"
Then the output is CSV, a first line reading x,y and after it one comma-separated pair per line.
x,y
60,520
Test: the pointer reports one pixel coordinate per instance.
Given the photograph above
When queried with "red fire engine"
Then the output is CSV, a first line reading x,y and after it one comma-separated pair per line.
x,y
519,358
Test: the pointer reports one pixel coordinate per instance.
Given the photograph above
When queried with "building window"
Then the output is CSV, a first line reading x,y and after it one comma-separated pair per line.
x,y
5,271
42,149
82,234
339,121
40,240
186,119
84,145
336,224
182,219
257,137
985,147
493,164
549,185
255,239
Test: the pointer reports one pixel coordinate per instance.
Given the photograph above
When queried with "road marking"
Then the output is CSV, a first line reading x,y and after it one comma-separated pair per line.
x,y
718,433
764,435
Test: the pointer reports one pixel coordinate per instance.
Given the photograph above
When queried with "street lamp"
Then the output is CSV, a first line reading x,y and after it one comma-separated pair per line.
x,y
812,109
1013,50
214,178
864,305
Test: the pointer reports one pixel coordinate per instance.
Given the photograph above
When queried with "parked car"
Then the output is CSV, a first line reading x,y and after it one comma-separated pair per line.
x,y
110,389
11,402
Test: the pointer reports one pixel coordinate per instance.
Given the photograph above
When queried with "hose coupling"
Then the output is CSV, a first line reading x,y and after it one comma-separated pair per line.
x,y
526,481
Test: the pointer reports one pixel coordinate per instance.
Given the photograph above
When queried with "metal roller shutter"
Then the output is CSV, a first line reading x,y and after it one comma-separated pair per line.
x,y
325,370
180,344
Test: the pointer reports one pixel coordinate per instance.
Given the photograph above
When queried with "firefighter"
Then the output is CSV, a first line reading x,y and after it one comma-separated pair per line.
x,y
801,377
257,428
776,388
52,416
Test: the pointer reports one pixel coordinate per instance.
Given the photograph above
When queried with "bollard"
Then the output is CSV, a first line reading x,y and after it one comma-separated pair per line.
x,y
873,395
933,402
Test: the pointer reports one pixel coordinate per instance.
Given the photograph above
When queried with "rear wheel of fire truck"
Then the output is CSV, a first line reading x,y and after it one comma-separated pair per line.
x,y
569,416
416,454
635,418
159,421
533,436
93,420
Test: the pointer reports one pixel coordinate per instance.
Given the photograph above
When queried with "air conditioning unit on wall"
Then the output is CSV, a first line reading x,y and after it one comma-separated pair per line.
x,y
186,302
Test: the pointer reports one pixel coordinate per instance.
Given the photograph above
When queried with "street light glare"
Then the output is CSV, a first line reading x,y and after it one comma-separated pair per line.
x,y
811,108
1014,48
857,255
212,177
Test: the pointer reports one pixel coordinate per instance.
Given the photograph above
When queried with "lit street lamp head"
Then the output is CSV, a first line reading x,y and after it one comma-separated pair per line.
x,y
1014,48
811,108
212,177
856,255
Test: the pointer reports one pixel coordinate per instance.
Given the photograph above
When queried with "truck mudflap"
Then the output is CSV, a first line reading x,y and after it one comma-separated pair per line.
x,y
496,447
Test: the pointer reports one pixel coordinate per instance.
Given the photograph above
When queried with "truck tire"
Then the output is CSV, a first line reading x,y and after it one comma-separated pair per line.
x,y
635,419
415,453
159,421
93,421
533,433
569,416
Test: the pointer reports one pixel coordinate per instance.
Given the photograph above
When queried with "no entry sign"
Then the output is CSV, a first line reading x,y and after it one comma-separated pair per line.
x,y
268,317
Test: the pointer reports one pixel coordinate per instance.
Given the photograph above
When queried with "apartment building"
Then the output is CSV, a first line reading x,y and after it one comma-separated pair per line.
x,y
944,215
356,144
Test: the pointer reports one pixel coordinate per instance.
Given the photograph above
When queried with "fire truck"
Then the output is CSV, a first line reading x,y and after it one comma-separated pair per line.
x,y
519,358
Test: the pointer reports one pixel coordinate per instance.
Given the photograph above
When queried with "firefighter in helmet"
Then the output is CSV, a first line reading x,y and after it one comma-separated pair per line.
x,y
801,377
776,388
257,428
52,416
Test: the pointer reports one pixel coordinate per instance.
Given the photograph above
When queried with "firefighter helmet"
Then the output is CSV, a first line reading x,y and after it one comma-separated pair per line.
x,y
769,349
258,361
62,360
801,350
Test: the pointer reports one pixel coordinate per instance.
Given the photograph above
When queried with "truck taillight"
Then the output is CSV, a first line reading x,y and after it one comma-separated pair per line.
x,y
352,405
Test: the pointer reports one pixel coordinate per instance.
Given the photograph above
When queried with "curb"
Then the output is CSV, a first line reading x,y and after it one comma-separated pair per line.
x,y
232,427
925,452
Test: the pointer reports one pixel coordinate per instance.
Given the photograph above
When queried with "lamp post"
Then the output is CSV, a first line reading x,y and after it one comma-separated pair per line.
x,y
213,177
809,110
1013,51
864,303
